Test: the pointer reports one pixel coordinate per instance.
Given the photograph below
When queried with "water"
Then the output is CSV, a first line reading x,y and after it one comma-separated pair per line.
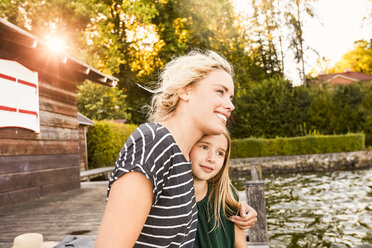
x,y
319,209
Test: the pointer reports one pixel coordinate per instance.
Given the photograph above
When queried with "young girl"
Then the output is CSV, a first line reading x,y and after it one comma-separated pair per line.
x,y
151,201
216,198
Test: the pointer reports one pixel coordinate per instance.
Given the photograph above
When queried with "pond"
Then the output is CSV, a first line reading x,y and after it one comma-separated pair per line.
x,y
319,209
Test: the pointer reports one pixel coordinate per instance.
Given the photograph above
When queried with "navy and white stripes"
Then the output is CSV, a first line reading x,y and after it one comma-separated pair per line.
x,y
152,151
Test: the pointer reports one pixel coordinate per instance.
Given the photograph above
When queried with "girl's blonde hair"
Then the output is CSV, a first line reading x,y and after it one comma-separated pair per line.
x,y
181,72
221,189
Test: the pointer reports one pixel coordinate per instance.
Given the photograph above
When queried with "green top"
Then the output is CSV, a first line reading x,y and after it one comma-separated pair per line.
x,y
222,236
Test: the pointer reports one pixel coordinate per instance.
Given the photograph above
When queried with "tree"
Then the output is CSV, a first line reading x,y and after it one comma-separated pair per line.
x,y
294,15
367,110
266,35
64,18
100,102
123,42
185,25
348,111
321,112
268,109
358,59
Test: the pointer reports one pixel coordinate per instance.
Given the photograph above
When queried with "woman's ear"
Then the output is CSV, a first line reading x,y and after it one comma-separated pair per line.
x,y
184,94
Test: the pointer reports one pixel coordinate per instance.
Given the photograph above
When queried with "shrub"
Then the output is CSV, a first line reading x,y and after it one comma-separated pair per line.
x,y
105,140
259,147
274,108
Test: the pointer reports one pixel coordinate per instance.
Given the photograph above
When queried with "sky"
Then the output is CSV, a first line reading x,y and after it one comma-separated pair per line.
x,y
338,25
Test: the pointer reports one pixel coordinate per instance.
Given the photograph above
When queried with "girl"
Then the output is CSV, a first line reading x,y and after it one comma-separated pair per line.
x,y
151,201
216,197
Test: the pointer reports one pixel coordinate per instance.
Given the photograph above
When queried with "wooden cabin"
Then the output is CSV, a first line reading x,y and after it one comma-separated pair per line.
x,y
84,123
39,127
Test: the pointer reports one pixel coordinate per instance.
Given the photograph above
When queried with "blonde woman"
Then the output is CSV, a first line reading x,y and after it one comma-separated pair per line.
x,y
151,200
216,198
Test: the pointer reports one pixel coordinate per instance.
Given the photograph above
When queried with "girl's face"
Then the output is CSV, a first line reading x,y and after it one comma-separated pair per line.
x,y
210,102
207,156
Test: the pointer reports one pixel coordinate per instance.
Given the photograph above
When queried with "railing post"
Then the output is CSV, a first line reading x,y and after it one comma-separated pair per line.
x,y
255,193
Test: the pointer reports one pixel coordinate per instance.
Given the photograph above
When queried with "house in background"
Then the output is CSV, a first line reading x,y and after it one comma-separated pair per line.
x,y
40,141
343,78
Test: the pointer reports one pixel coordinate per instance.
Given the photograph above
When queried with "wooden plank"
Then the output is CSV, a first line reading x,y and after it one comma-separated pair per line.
x,y
58,120
83,148
88,174
37,147
17,133
255,195
58,94
58,107
61,187
52,133
18,196
46,133
17,181
14,164
56,81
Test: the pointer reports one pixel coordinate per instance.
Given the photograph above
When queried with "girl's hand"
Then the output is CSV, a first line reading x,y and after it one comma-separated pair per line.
x,y
247,218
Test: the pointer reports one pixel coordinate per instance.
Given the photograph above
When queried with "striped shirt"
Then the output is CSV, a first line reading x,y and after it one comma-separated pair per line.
x,y
152,151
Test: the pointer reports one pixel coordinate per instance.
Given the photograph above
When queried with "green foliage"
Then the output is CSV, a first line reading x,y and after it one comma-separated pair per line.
x,y
275,108
258,147
132,40
100,102
321,111
66,19
366,126
9,10
264,23
105,140
347,104
185,24
270,109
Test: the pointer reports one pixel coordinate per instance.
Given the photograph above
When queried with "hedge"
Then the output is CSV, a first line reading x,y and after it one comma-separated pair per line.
x,y
105,140
276,108
259,147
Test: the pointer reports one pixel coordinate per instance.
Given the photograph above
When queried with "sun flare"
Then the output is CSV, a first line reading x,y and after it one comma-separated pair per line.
x,y
56,44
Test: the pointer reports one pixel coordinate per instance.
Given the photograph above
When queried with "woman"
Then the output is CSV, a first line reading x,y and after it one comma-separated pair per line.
x,y
151,201
216,198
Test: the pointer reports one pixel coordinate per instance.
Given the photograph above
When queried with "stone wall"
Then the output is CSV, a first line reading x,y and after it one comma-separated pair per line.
x,y
303,163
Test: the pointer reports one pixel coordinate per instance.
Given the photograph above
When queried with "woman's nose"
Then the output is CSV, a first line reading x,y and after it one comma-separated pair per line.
x,y
230,106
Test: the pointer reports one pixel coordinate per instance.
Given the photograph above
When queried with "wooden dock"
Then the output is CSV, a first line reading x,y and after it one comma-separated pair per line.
x,y
93,173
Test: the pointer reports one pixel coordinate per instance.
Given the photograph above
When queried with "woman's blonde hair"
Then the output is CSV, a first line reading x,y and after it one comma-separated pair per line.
x,y
181,72
221,189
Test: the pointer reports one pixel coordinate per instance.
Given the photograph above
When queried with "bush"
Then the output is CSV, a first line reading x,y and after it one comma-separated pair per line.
x,y
105,140
274,108
269,109
258,147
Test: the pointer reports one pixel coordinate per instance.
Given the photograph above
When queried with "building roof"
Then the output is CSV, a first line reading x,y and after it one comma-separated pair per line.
x,y
83,120
353,76
17,44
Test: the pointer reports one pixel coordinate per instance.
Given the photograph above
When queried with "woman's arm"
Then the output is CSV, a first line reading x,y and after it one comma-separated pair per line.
x,y
247,217
240,239
126,211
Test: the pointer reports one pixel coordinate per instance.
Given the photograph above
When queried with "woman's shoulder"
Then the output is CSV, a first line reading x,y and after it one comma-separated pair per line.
x,y
153,130
154,140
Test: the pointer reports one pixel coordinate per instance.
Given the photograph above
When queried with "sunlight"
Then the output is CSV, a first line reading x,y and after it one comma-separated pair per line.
x,y
56,44
331,34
